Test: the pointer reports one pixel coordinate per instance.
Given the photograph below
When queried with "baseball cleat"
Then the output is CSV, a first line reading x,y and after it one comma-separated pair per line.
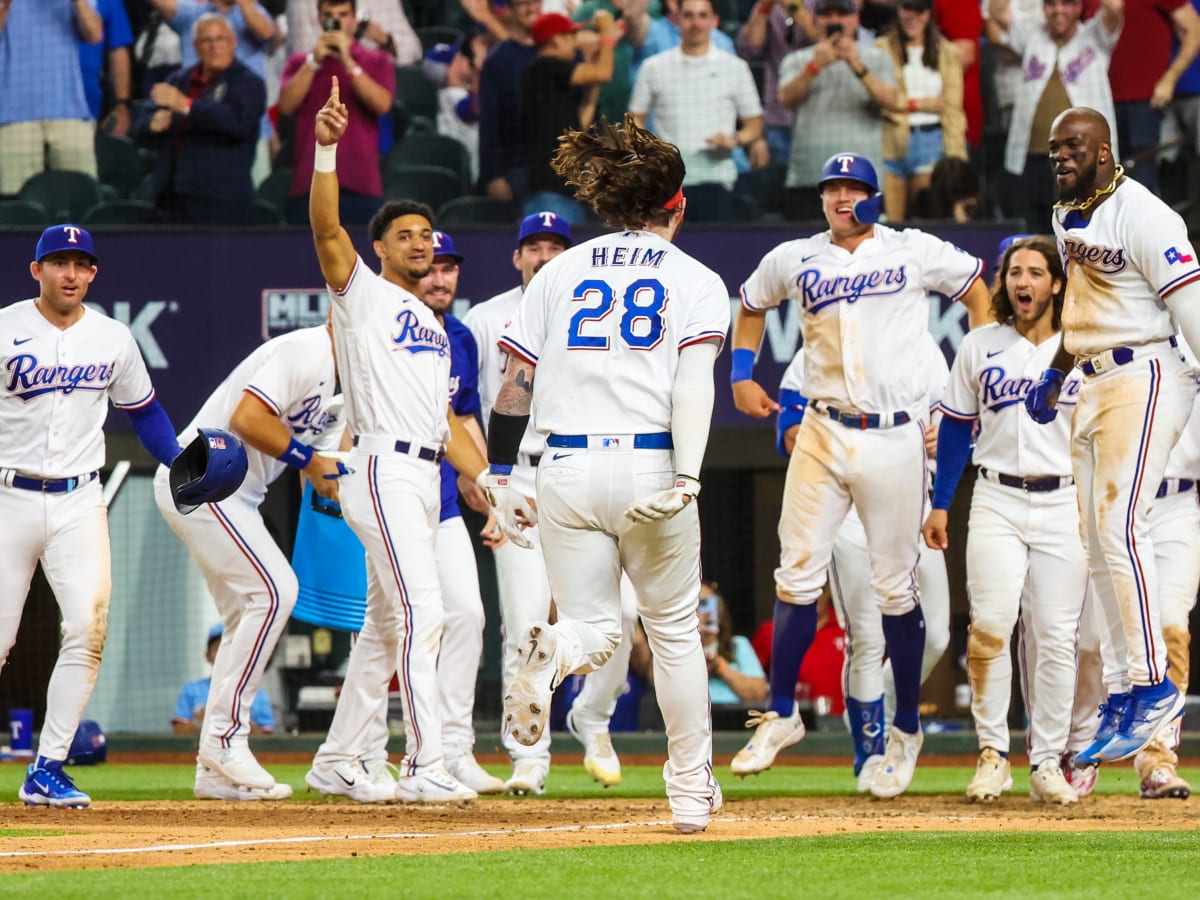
x,y
1150,710
694,823
528,777
993,776
867,773
46,784
772,733
1082,778
467,771
237,764
1162,782
1047,784
895,773
600,760
1111,712
350,778
210,785
527,703
433,784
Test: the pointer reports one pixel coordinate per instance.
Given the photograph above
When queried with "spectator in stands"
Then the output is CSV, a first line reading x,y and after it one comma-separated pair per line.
x,y
44,117
649,35
559,92
772,31
382,25
955,192
837,89
454,68
962,24
204,122
735,676
933,124
193,698
1066,64
500,141
1143,76
115,48
1185,109
697,95
614,96
368,83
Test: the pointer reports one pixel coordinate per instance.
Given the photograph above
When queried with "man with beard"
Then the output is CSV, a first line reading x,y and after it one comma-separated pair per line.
x,y
1132,278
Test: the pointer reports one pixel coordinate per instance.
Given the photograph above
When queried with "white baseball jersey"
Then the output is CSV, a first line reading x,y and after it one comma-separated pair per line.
x,y
861,310
486,321
1121,265
610,298
992,373
1184,461
55,386
394,351
293,375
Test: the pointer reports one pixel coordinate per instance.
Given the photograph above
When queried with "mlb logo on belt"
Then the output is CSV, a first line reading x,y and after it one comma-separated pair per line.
x,y
216,443
1173,256
610,443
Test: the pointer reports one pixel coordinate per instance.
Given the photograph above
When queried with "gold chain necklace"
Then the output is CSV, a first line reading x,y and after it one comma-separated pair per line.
x,y
1085,205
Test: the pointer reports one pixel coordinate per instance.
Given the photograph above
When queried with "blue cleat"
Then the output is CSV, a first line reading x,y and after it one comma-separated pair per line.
x,y
1111,714
46,784
1150,710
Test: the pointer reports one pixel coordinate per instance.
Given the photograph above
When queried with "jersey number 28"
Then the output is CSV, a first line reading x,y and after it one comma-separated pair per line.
x,y
641,324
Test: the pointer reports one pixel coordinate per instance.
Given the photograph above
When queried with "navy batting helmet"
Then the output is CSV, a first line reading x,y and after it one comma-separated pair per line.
x,y
852,167
89,746
209,469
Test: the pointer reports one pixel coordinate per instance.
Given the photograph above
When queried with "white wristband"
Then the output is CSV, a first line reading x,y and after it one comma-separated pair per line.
x,y
311,62
325,158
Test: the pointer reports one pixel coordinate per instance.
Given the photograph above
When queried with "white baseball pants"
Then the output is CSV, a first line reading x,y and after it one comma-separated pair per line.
x,y
594,705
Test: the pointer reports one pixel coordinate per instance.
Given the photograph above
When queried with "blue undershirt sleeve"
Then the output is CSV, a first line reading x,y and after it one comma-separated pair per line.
x,y
953,451
155,431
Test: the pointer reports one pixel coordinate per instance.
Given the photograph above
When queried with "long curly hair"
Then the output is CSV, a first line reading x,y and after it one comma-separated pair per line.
x,y
1002,308
623,171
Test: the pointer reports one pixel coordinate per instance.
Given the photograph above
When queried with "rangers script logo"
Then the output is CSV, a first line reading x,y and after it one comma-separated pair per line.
x,y
28,380
417,338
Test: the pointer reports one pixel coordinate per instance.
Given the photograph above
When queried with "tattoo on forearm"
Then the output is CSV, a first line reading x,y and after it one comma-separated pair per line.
x,y
516,394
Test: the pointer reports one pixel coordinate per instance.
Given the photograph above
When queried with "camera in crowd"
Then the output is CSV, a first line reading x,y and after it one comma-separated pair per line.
x,y
331,24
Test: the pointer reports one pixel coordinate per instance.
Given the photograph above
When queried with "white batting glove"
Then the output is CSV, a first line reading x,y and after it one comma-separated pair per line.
x,y
665,504
513,512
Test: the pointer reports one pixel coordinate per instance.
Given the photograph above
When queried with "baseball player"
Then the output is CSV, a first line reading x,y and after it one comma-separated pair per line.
x,y
869,683
1132,277
462,633
864,293
61,363
1023,529
276,401
623,394
394,363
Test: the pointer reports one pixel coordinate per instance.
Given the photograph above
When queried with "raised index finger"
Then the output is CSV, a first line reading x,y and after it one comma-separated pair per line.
x,y
334,94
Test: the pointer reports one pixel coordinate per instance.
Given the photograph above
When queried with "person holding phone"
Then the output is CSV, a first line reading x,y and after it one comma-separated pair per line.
x,y
735,676
837,89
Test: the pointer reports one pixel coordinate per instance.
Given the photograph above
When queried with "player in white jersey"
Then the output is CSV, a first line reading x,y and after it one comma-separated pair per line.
x,y
869,684
394,365
864,292
1132,278
1023,529
624,395
60,363
277,402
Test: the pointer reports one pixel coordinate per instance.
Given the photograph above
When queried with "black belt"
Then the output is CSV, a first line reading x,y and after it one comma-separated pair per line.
x,y
535,459
1174,486
426,453
54,485
862,420
935,126
1050,483
1121,356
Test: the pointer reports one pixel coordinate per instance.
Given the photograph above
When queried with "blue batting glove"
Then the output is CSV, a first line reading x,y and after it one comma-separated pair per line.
x,y
1042,397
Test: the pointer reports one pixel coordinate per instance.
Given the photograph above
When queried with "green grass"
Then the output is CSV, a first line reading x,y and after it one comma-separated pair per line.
x,y
32,832
174,782
892,865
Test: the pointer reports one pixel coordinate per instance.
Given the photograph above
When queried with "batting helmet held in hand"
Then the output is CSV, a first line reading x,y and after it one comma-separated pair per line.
x,y
208,470
89,746
852,167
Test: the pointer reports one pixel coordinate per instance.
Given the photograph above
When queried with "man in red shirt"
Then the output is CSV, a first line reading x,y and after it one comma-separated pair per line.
x,y
962,23
371,80
1143,76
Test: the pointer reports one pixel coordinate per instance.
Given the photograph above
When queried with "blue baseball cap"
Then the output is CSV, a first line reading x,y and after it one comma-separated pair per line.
x,y
443,245
436,62
544,222
215,633
1005,244
61,238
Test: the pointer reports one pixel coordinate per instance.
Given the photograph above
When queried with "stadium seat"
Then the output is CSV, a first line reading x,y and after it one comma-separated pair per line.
x,y
765,186
437,34
65,195
274,189
715,203
119,162
262,212
123,212
23,212
475,210
418,94
434,185
430,150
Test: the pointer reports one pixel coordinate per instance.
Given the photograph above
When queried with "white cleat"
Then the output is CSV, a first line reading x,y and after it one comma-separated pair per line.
x,y
528,778
468,772
527,704
993,776
237,764
433,784
350,778
772,733
867,773
1048,785
210,785
600,760
895,773
694,823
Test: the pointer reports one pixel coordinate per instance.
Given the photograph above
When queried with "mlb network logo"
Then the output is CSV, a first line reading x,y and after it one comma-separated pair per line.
x,y
1173,255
